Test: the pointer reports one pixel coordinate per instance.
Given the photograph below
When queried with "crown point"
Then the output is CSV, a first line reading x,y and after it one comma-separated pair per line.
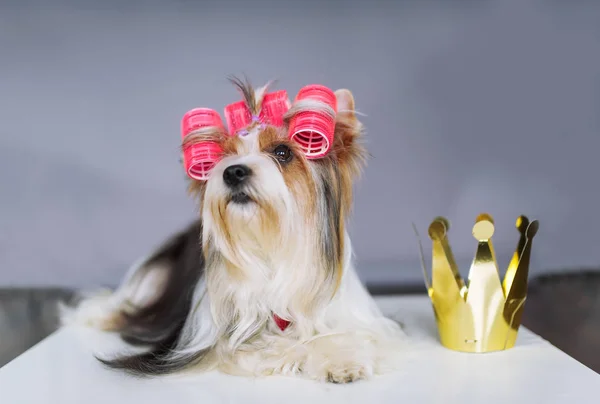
x,y
522,224
532,229
438,228
484,217
444,221
483,229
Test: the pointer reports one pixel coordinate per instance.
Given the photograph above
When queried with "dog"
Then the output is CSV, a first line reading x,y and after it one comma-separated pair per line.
x,y
263,283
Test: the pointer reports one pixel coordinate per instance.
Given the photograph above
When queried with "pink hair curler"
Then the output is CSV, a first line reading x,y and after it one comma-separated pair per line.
x,y
237,116
313,130
199,158
274,106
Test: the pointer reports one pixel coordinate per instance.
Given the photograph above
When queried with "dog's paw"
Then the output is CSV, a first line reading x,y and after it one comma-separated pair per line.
x,y
347,373
341,358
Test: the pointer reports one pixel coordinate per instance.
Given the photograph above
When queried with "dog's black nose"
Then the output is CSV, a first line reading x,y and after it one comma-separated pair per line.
x,y
236,175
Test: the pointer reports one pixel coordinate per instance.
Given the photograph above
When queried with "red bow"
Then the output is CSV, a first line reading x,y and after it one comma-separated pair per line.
x,y
281,323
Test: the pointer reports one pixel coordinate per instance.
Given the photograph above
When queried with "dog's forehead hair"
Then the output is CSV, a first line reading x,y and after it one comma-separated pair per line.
x,y
249,143
256,139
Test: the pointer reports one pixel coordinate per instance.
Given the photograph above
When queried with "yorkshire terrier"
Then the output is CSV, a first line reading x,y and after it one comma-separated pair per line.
x,y
263,283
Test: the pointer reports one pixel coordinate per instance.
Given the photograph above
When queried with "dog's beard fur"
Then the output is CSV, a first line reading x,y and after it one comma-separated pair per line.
x,y
281,250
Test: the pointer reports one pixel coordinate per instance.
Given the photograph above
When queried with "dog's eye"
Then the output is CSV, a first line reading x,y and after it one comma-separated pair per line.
x,y
282,153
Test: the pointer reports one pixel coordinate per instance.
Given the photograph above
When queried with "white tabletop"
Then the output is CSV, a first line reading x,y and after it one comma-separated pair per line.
x,y
62,370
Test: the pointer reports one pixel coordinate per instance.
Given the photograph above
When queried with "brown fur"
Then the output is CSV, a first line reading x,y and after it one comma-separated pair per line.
x,y
296,173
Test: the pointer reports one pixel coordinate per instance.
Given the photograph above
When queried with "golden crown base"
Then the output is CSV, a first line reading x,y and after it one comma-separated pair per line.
x,y
484,316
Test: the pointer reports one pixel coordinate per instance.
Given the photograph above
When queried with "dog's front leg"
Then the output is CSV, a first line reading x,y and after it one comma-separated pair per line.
x,y
344,357
336,357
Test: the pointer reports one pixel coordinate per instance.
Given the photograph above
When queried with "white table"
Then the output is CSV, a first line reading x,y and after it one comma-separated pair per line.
x,y
62,370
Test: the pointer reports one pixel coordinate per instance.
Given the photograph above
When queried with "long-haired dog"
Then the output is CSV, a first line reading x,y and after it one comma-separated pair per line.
x,y
263,283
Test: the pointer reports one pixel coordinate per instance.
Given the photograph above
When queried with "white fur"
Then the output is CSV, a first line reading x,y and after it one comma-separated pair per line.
x,y
347,339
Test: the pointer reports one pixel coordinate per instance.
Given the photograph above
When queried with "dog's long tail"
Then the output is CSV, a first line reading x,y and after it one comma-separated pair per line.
x,y
151,304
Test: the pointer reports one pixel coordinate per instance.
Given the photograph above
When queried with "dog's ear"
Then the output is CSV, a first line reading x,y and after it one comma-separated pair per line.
x,y
349,151
345,103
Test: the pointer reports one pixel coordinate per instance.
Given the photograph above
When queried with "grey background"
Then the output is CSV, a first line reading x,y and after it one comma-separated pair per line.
x,y
471,106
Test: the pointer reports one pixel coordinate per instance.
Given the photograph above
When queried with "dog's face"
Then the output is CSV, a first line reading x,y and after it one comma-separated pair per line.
x,y
264,195
261,186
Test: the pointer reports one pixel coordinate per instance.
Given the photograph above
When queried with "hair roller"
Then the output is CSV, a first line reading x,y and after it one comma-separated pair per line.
x,y
201,156
274,107
237,116
312,127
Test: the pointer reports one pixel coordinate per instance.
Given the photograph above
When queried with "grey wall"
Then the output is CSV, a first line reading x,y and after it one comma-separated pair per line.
x,y
471,106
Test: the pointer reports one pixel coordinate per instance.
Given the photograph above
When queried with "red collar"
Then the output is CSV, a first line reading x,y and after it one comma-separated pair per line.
x,y
281,323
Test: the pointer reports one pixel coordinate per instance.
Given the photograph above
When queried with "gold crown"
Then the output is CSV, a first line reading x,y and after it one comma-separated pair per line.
x,y
485,315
